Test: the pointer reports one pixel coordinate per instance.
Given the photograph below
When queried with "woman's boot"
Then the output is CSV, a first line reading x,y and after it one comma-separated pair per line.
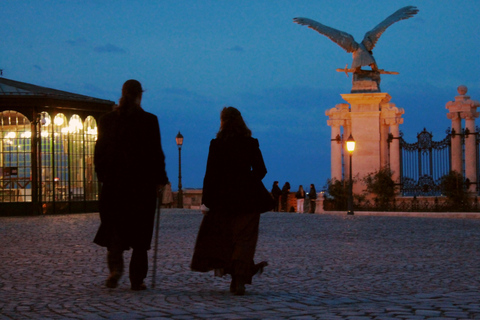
x,y
233,284
239,286
115,266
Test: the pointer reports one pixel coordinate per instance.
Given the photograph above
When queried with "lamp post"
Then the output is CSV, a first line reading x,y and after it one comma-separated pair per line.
x,y
179,140
350,149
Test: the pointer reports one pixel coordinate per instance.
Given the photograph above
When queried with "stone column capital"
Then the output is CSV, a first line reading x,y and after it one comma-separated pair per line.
x,y
393,121
340,110
336,122
462,104
469,115
453,115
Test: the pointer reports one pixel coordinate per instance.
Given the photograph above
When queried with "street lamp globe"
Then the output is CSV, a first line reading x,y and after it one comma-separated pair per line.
x,y
350,144
179,139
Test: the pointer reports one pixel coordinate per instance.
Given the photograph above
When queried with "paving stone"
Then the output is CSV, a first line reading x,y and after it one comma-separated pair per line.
x,y
320,267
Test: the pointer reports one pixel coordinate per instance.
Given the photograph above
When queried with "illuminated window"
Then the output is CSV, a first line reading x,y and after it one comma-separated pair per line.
x,y
91,183
15,154
65,149
77,158
46,158
60,166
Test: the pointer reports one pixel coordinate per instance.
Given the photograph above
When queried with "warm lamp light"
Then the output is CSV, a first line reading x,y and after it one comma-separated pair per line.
x,y
45,121
75,124
350,144
58,120
350,148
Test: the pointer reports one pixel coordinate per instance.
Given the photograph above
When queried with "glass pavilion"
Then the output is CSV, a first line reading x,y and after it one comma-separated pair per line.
x,y
47,140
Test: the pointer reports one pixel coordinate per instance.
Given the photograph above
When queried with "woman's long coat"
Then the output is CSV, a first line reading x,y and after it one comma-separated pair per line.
x,y
130,163
234,166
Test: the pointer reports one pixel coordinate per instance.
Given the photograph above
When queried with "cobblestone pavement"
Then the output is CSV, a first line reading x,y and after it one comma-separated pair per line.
x,y
321,267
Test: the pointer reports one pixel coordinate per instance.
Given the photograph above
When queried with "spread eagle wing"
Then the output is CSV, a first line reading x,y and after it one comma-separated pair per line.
x,y
372,36
341,38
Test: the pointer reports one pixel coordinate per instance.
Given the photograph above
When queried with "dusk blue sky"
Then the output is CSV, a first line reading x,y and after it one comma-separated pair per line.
x,y
194,57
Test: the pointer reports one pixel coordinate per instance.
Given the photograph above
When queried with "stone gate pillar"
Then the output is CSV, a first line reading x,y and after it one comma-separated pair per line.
x,y
365,128
464,108
392,118
456,140
470,149
336,150
338,117
370,118
395,152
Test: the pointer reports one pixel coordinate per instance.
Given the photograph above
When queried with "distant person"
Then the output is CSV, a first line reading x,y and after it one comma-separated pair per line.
x,y
285,193
130,164
167,197
276,193
312,196
300,195
227,238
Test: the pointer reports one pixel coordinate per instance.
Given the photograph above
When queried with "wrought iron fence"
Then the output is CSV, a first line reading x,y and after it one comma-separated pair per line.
x,y
423,164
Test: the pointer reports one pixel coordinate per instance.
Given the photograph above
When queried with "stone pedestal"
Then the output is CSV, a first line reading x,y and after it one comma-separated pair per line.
x,y
365,109
372,120
365,81
319,203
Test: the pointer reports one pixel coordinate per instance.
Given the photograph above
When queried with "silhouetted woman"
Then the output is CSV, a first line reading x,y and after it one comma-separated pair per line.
x,y
130,163
227,238
276,193
300,195
285,193
312,195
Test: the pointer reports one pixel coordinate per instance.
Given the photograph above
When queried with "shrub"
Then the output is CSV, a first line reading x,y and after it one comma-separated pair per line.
x,y
381,184
453,187
338,192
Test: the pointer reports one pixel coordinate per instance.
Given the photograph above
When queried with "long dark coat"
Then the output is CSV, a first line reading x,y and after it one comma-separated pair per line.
x,y
233,166
130,163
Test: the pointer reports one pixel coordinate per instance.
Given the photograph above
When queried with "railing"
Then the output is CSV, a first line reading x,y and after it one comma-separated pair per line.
x,y
408,204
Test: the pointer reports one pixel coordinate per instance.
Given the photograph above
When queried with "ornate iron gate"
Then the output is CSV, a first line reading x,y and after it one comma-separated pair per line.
x,y
423,164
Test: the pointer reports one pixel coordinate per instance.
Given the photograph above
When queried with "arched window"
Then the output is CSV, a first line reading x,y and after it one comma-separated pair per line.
x,y
46,159
60,158
91,183
76,158
15,157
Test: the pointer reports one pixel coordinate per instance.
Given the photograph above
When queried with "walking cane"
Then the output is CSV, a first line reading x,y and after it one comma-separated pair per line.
x,y
155,246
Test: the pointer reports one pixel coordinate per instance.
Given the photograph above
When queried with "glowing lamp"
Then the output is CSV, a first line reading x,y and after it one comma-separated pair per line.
x,y
350,144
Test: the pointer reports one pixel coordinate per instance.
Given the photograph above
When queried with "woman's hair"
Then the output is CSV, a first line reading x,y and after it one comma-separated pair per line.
x,y
131,90
232,124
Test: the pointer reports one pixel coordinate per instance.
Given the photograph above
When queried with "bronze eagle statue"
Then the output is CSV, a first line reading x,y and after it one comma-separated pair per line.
x,y
362,52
